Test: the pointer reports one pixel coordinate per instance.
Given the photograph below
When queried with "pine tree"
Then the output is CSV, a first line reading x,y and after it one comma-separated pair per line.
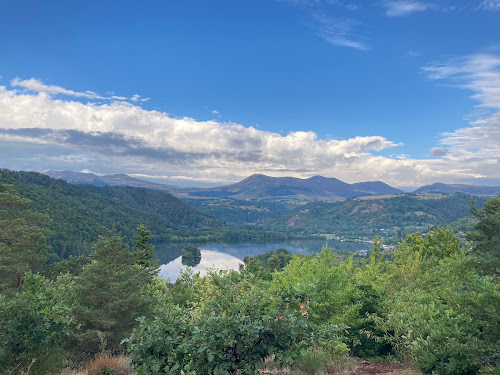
x,y
22,239
111,295
486,237
144,252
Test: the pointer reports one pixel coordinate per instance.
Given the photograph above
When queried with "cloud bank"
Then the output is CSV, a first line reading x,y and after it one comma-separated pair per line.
x,y
50,127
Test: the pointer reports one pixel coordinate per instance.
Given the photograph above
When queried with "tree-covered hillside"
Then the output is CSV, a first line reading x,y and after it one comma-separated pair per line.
x,y
80,213
392,216
236,211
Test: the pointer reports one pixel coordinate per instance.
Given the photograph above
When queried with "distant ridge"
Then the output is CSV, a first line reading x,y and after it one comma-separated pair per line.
x,y
257,186
441,188
120,179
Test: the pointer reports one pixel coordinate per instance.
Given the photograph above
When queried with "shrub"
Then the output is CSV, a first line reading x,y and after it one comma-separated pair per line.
x,y
33,325
235,327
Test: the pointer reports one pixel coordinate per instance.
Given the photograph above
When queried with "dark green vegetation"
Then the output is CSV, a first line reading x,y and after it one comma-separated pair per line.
x,y
270,261
385,216
487,236
431,302
80,213
191,256
241,212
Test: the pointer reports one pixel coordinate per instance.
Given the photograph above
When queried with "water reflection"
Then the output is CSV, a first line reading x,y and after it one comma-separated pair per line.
x,y
209,260
190,261
229,256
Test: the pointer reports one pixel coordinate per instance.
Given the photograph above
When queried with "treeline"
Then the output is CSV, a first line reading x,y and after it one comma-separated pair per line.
x,y
431,303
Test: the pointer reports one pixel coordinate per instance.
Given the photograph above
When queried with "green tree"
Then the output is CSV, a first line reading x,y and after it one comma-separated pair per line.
x,y
22,239
191,256
486,237
34,324
144,251
111,294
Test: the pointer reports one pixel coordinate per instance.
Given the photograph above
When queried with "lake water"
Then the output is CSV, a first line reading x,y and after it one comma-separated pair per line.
x,y
230,256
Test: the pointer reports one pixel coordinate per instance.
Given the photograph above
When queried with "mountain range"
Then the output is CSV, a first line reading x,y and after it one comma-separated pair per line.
x,y
259,186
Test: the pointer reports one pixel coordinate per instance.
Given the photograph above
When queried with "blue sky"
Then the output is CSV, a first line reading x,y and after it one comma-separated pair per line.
x,y
209,92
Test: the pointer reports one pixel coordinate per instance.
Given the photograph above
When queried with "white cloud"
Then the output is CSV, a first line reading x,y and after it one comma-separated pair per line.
x,y
477,147
479,73
122,137
398,8
36,85
136,140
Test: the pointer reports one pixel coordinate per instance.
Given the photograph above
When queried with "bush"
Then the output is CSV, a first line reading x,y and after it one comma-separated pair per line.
x,y
235,327
446,320
33,325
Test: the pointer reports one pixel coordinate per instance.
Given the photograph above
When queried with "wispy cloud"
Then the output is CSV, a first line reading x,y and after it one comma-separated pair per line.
x,y
490,5
326,20
36,85
477,147
479,73
337,32
399,8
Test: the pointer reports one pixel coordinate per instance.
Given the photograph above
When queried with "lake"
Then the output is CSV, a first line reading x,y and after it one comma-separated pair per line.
x,y
230,256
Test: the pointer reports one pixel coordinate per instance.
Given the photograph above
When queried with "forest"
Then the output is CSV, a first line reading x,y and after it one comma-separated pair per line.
x,y
432,304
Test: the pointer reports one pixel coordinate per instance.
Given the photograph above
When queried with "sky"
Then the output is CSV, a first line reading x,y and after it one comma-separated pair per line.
x,y
208,92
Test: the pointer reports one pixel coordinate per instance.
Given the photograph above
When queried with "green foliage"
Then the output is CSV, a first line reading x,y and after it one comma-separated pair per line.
x,y
34,324
234,324
144,252
191,252
80,213
111,294
486,236
388,217
324,285
22,239
191,256
269,261
72,265
441,314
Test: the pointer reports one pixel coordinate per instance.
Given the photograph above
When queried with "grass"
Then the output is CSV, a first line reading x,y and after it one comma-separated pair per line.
x,y
104,364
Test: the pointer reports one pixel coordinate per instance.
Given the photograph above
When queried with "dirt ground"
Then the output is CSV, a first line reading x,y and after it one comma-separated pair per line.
x,y
357,367
367,368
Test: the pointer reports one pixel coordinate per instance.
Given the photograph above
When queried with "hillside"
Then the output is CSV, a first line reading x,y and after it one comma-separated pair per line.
x,y
441,188
120,179
392,216
80,213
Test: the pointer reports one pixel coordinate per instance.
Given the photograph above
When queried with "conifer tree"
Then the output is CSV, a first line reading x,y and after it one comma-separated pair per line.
x,y
486,237
144,252
22,239
111,295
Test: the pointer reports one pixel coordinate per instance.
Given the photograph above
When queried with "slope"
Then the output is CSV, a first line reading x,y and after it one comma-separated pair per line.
x,y
389,217
80,213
